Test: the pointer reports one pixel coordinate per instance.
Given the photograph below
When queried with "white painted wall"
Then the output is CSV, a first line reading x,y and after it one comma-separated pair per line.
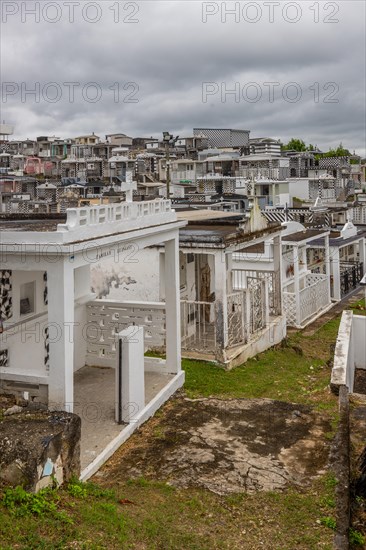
x,y
25,341
188,291
299,188
132,276
82,286
18,279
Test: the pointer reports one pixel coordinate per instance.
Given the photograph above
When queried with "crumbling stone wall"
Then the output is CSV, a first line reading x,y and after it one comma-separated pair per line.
x,y
38,447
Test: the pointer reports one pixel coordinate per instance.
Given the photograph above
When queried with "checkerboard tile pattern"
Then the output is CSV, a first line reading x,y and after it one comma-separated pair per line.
x,y
6,300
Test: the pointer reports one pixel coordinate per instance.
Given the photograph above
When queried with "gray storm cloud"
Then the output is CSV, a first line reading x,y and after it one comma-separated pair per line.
x,y
151,63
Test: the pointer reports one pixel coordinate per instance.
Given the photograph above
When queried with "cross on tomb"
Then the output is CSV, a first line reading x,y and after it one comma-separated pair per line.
x,y
128,187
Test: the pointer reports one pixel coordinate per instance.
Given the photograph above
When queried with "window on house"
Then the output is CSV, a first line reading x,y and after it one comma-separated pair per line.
x,y
27,298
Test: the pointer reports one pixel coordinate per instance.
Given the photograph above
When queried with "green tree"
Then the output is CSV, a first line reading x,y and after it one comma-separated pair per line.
x,y
295,145
339,152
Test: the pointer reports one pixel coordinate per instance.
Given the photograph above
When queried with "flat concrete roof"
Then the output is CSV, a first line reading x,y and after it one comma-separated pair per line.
x,y
205,214
27,222
226,234
339,241
301,236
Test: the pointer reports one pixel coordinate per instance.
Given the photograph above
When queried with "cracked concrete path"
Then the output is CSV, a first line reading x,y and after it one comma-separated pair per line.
x,y
226,446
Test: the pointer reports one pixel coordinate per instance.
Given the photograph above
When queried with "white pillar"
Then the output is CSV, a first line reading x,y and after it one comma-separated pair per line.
x,y
221,302
361,247
229,276
172,305
60,281
277,268
297,283
327,264
336,273
266,305
130,374
161,276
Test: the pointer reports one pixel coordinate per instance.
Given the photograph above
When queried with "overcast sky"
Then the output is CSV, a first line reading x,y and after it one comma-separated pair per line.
x,y
178,60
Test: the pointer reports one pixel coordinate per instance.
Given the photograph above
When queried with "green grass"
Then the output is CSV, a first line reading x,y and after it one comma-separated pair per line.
x,y
153,515
296,371
150,514
358,307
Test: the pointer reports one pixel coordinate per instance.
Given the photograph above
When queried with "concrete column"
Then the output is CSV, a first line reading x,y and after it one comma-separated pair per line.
x,y
327,264
361,246
229,273
297,283
220,279
60,281
277,267
336,274
130,374
172,302
247,304
266,305
161,276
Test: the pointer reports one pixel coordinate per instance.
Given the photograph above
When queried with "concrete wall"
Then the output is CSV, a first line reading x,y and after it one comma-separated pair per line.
x,y
343,370
273,334
134,275
299,188
359,335
20,278
188,290
26,339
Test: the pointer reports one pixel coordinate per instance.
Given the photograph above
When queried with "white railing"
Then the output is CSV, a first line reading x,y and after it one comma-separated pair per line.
x,y
359,214
246,316
241,279
258,290
237,318
313,299
95,215
106,318
198,325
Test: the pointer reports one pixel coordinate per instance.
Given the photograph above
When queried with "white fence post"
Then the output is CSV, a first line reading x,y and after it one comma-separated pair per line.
x,y
130,374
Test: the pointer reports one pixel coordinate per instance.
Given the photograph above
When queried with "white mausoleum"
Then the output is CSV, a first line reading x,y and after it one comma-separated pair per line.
x,y
62,347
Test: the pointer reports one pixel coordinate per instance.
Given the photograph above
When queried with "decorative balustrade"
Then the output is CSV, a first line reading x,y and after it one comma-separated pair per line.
x,y
314,297
246,315
242,278
106,318
237,318
92,222
312,300
121,212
